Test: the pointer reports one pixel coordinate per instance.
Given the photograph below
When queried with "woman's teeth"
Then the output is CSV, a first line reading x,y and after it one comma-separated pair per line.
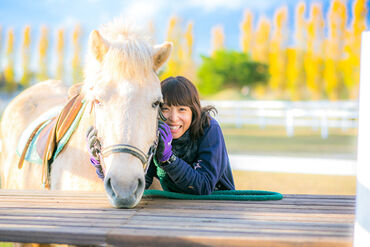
x,y
174,127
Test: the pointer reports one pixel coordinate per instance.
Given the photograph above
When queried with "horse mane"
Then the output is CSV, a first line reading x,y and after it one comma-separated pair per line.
x,y
130,54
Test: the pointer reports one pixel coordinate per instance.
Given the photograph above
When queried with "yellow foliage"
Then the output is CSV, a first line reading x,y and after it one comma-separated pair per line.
x,y
10,42
331,76
26,77
189,66
217,38
60,54
292,73
189,39
44,43
301,26
350,65
295,56
173,67
76,59
43,48
334,49
359,17
180,61
246,28
277,56
262,41
9,67
313,63
315,67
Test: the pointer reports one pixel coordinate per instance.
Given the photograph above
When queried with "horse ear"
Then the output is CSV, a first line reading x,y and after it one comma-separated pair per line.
x,y
97,45
161,54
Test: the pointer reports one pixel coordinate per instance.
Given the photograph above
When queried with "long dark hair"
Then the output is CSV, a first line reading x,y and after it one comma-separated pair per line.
x,y
180,91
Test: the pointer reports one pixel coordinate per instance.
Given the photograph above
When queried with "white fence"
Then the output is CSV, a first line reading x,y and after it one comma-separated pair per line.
x,y
315,114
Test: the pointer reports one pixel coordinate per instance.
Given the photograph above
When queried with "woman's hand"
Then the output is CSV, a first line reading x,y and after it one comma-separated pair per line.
x,y
164,149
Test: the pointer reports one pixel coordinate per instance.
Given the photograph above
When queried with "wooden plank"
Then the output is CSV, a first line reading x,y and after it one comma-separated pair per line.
x,y
88,219
174,222
74,236
175,213
186,238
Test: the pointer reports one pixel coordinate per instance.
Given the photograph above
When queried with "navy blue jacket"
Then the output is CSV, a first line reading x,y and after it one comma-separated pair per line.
x,y
211,170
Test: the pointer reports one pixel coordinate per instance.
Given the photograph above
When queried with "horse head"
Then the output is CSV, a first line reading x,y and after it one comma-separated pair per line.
x,y
122,87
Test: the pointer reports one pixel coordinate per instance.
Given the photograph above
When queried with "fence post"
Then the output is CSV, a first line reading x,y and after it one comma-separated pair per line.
x,y
362,223
324,125
289,122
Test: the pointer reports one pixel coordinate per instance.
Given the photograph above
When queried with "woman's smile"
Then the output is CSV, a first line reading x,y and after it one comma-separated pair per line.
x,y
178,119
175,128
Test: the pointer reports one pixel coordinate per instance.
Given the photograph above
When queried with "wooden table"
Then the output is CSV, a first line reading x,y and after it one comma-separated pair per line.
x,y
82,218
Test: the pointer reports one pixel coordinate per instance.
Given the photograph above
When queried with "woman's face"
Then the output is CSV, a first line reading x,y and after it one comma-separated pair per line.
x,y
178,118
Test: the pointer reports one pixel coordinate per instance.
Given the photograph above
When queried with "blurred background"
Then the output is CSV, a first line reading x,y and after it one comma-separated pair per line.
x,y
283,74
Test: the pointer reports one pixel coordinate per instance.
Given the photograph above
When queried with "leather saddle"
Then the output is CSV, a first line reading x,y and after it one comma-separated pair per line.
x,y
51,134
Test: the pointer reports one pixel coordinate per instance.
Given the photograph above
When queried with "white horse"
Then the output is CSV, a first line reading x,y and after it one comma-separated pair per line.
x,y
121,81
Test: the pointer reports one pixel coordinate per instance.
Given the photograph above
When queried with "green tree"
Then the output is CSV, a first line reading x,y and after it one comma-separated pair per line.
x,y
230,69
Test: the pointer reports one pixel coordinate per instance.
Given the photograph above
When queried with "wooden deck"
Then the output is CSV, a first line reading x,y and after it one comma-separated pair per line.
x,y
88,219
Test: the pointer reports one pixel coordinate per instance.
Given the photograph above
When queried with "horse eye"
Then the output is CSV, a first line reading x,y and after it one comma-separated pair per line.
x,y
156,104
97,102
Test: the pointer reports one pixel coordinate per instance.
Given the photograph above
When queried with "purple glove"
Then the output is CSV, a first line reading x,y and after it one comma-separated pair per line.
x,y
164,149
98,167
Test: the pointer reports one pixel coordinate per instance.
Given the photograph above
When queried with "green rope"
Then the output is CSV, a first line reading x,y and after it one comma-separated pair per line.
x,y
231,195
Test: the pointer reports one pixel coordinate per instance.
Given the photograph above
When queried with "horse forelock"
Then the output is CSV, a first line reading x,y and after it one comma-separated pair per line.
x,y
130,55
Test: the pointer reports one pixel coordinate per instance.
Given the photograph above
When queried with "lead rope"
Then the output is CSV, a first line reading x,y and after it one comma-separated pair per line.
x,y
99,165
228,195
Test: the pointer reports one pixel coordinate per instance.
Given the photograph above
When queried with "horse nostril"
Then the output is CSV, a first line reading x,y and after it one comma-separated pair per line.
x,y
110,187
140,187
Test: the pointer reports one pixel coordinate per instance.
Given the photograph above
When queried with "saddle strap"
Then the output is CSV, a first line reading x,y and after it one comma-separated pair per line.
x,y
48,153
65,119
25,149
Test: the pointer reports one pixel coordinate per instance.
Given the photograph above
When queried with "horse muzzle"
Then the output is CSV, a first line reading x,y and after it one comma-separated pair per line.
x,y
124,182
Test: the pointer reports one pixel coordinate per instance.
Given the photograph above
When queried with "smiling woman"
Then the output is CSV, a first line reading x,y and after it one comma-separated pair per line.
x,y
191,156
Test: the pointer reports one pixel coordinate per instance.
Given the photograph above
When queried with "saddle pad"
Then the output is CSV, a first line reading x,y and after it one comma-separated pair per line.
x,y
32,155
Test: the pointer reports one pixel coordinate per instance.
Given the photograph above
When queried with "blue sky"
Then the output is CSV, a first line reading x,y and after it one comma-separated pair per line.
x,y
91,13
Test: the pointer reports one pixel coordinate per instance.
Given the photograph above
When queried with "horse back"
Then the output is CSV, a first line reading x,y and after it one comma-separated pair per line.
x,y
19,113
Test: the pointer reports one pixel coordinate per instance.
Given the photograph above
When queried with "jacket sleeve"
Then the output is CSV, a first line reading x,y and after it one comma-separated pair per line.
x,y
201,177
152,172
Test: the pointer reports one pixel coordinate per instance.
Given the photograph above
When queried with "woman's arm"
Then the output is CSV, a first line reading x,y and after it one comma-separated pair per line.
x,y
150,174
211,162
